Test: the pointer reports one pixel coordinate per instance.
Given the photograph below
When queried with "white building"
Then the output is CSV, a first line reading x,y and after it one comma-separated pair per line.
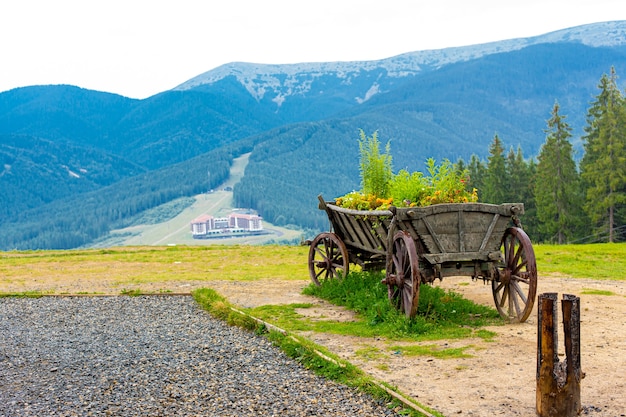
x,y
236,223
250,222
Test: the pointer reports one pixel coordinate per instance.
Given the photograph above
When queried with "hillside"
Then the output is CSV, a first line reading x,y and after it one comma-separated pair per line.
x,y
169,224
85,162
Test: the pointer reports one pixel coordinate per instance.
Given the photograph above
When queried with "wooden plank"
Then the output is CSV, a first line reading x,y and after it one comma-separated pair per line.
x,y
452,257
489,232
461,232
365,231
443,228
347,228
506,209
383,230
409,227
432,233
377,234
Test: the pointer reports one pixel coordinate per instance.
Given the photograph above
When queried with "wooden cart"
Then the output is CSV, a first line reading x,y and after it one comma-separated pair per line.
x,y
418,245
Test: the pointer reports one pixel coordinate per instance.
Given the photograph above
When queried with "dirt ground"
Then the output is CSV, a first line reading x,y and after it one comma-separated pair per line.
x,y
500,376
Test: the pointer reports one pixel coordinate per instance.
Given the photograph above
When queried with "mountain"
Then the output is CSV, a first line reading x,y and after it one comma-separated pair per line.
x,y
37,171
357,81
62,146
167,128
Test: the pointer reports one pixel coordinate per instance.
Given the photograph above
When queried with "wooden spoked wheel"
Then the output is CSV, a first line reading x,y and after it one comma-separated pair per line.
x,y
403,275
515,286
328,258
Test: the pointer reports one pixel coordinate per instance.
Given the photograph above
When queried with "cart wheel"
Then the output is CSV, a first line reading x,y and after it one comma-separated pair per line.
x,y
403,275
328,258
515,286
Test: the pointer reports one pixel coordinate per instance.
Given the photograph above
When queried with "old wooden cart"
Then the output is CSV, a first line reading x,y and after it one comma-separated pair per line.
x,y
418,245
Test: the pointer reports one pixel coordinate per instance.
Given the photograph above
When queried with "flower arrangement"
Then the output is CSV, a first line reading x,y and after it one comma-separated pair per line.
x,y
382,189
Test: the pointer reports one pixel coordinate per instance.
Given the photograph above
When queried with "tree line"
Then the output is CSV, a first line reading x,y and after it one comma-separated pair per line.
x,y
78,221
565,201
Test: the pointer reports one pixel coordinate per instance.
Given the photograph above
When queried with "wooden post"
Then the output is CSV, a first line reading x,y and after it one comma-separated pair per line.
x,y
558,383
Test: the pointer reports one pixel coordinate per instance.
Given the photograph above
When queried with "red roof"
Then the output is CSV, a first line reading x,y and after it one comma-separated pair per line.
x,y
202,219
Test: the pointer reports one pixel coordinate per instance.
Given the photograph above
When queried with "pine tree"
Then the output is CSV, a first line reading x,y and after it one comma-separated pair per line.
x,y
477,173
604,164
556,190
519,186
496,175
518,178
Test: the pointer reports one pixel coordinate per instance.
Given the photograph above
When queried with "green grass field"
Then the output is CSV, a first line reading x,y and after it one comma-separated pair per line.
x,y
595,261
135,265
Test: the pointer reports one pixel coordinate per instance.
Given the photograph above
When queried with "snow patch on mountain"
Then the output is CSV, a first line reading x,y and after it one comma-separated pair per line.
x,y
374,89
285,80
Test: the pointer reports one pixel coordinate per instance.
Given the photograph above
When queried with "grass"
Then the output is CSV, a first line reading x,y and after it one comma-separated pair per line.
x,y
25,294
440,315
167,266
605,261
597,292
432,350
131,267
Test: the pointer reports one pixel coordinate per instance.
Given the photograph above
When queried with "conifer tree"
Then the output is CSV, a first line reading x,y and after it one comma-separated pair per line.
x,y
519,186
496,176
556,189
477,172
518,177
603,166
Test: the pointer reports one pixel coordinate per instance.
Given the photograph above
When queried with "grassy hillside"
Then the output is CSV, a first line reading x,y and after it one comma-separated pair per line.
x,y
169,224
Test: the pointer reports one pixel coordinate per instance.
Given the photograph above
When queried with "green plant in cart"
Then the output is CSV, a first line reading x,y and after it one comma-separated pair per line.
x,y
375,167
444,183
406,189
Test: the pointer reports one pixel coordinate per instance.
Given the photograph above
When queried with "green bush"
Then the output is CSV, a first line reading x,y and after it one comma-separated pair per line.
x,y
440,313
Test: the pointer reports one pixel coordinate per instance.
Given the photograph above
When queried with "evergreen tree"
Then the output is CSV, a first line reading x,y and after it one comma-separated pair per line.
x,y
495,182
531,223
517,175
556,191
477,173
462,171
603,166
460,166
519,186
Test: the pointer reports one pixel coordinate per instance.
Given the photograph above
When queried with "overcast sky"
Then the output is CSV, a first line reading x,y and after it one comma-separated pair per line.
x,y
138,48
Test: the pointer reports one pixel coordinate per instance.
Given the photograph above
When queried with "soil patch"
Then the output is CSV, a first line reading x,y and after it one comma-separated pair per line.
x,y
500,376
498,379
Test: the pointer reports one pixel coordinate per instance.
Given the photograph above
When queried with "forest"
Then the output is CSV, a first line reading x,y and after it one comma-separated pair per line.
x,y
82,219
572,193
566,200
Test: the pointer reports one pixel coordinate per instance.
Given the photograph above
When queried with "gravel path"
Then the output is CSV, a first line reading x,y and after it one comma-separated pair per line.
x,y
151,356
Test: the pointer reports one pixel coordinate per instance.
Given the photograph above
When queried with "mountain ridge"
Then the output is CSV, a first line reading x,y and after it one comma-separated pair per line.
x,y
281,78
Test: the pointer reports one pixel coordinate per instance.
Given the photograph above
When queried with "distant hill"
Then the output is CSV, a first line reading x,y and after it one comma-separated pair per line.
x,y
62,146
37,171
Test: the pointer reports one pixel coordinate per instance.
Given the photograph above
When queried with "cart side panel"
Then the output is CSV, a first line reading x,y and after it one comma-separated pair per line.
x,y
362,230
455,228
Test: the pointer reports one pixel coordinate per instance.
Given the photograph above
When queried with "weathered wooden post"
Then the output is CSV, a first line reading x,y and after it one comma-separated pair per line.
x,y
558,383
